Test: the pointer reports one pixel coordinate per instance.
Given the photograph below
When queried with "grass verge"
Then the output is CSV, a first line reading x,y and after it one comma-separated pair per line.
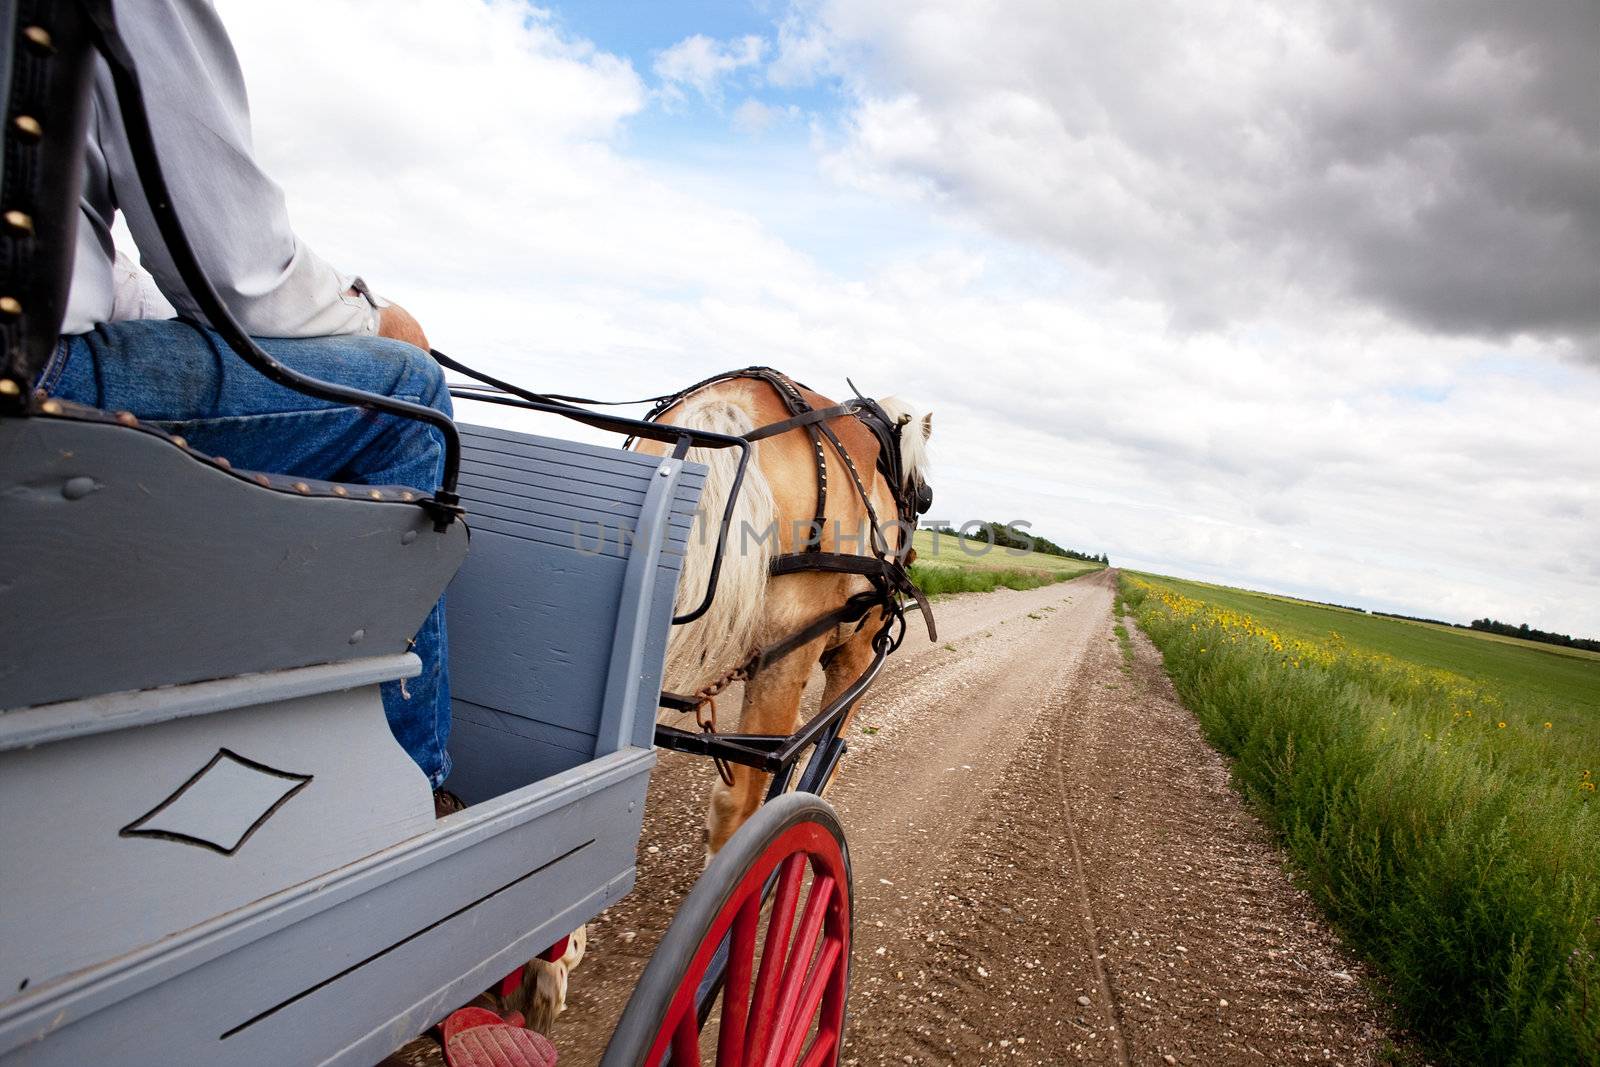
x,y
1452,840
935,580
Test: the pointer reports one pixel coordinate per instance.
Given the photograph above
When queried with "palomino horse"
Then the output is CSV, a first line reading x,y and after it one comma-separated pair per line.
x,y
775,515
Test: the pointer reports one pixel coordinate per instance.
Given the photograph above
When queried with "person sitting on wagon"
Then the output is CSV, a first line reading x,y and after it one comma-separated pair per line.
x,y
311,316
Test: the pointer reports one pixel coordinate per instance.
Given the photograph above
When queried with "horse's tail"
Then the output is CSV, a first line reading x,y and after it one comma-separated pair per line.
x,y
701,651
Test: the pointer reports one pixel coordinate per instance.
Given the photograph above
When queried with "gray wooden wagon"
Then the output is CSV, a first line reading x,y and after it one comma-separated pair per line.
x,y
212,850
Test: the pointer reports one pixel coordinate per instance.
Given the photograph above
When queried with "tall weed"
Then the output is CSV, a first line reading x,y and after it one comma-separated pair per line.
x,y
1454,843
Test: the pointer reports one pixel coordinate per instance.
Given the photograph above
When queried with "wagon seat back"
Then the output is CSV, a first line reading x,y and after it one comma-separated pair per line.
x,y
559,620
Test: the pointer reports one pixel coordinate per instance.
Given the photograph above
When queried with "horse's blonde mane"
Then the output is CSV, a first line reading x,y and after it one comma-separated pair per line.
x,y
913,438
721,639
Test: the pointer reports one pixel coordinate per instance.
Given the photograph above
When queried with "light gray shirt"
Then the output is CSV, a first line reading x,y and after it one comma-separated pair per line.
x,y
233,213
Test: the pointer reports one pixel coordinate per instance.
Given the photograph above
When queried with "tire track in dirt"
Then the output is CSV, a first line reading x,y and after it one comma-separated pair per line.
x,y
1108,993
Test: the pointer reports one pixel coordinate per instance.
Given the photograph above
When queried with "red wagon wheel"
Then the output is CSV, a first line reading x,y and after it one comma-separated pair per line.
x,y
781,1002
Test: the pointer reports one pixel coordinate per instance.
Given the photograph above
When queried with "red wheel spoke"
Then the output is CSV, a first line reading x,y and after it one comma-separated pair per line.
x,y
830,1026
686,1041
798,1024
823,1052
805,944
774,954
736,986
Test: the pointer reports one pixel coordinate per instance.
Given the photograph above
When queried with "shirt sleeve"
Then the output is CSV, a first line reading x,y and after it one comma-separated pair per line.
x,y
234,214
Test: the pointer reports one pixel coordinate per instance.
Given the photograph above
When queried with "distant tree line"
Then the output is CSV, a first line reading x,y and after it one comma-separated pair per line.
x,y
1326,604
1418,618
1006,537
1527,633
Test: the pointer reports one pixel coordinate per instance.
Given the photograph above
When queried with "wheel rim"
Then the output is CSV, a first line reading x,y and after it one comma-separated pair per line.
x,y
783,993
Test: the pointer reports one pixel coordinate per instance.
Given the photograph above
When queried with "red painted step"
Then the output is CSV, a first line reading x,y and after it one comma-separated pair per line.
x,y
476,1037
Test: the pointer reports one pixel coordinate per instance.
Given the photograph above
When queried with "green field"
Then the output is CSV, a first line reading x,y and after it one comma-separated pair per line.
x,y
947,564
1566,680
1436,789
1506,639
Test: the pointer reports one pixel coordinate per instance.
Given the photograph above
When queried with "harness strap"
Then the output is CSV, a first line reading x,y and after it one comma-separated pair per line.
x,y
566,399
880,547
814,421
835,562
852,610
789,393
888,572
805,418
885,570
910,589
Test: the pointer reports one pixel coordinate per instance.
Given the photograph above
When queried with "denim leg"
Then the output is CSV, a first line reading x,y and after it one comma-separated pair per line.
x,y
419,710
185,379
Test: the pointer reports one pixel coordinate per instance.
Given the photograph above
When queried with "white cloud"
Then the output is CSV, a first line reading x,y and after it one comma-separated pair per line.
x,y
806,49
474,163
441,78
704,64
754,118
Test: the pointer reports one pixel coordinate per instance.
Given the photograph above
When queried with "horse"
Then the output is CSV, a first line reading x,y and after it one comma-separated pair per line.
x,y
778,512
777,515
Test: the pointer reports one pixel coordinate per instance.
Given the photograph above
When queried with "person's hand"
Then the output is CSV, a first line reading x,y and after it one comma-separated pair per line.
x,y
396,322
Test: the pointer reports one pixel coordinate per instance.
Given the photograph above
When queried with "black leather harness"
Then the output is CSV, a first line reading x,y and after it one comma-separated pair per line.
x,y
885,568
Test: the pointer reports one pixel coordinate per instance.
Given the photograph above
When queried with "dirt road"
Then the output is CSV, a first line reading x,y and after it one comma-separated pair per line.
x,y
1049,867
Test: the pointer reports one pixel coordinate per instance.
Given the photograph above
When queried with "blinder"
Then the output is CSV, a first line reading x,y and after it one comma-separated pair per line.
x,y
921,495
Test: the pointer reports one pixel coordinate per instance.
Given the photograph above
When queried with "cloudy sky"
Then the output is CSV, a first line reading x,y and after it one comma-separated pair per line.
x,y
1300,295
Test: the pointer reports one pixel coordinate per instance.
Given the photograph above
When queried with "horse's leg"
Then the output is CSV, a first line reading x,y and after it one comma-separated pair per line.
x,y
771,706
846,662
542,995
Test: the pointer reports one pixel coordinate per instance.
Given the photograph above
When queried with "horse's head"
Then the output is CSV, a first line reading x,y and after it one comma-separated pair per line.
x,y
913,429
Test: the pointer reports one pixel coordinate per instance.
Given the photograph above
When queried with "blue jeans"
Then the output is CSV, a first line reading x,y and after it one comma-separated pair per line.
x,y
186,379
